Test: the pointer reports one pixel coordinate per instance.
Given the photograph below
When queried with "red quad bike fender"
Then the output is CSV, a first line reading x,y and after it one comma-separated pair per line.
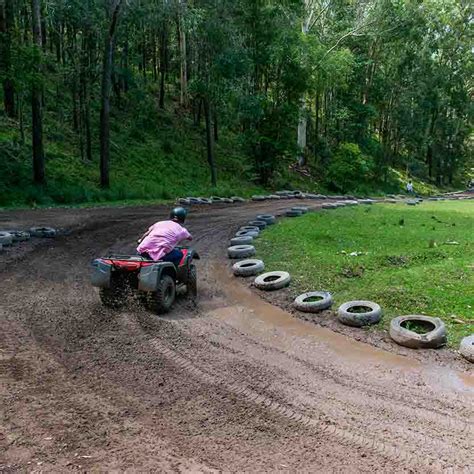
x,y
183,268
188,256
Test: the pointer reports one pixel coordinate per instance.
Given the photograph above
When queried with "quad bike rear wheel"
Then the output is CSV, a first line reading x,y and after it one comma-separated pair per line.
x,y
161,300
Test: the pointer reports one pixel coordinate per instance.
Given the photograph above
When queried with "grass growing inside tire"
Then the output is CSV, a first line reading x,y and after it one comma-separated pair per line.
x,y
410,260
420,327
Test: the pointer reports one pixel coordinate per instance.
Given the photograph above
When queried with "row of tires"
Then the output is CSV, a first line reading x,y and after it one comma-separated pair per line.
x,y
10,237
352,313
298,195
190,200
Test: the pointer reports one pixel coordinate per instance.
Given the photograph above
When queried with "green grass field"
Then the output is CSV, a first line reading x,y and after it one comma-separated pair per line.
x,y
413,260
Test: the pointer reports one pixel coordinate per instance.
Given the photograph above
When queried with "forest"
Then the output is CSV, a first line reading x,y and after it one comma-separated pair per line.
x,y
107,100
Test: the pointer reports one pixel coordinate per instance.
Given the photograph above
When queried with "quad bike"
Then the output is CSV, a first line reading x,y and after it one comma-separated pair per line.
x,y
154,283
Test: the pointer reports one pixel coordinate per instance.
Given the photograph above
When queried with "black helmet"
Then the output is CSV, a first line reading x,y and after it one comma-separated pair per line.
x,y
179,214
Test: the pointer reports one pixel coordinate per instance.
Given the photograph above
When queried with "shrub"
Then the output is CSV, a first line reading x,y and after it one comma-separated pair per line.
x,y
348,168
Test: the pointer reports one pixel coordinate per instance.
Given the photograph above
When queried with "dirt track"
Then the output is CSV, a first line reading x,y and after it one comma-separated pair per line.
x,y
234,385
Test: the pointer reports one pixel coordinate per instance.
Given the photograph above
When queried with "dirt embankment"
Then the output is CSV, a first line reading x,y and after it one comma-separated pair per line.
x,y
236,384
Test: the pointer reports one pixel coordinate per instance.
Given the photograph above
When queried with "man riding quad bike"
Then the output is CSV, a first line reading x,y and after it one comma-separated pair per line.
x,y
155,272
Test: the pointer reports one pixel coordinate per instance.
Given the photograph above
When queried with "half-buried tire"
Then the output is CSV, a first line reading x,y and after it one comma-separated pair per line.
x,y
241,240
302,209
241,251
6,238
250,227
248,267
313,301
247,233
433,335
19,235
268,218
359,313
43,232
271,281
260,224
292,213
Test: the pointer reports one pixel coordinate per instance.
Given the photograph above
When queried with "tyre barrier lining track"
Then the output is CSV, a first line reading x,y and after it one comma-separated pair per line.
x,y
303,304
249,267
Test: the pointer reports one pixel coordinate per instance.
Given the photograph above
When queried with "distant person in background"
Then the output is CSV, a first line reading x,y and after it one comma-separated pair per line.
x,y
410,187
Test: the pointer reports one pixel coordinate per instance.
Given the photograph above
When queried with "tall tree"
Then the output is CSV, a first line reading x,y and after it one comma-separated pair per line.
x,y
112,11
183,61
6,24
36,97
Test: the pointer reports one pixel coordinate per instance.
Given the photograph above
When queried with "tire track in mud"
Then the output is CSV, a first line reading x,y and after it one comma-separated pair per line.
x,y
412,435
252,395
379,401
275,390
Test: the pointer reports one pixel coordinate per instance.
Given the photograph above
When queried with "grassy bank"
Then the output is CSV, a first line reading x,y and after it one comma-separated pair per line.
x,y
156,160
410,260
156,155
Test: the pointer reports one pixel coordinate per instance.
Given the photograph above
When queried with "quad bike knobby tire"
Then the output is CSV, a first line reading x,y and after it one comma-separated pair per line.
x,y
161,300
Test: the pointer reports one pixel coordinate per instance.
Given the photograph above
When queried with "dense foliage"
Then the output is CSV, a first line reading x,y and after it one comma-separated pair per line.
x,y
347,90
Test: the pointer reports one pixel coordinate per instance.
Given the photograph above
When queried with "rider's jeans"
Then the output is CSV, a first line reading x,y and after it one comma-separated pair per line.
x,y
174,256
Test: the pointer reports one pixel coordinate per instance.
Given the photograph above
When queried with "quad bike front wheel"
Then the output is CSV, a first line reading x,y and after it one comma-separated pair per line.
x,y
161,300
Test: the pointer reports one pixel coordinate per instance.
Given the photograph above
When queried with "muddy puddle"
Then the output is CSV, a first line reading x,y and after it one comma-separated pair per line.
x,y
248,307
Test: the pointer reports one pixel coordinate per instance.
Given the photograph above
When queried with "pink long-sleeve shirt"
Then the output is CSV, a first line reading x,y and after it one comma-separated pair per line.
x,y
162,238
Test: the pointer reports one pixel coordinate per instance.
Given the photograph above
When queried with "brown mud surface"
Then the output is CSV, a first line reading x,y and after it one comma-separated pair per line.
x,y
236,384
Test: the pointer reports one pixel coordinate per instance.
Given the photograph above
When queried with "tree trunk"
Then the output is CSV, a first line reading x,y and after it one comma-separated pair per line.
x,y
144,56
22,121
36,93
316,121
85,79
429,149
302,126
183,99
75,114
125,74
303,116
163,57
154,57
216,131
6,23
198,113
113,9
210,142
44,40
